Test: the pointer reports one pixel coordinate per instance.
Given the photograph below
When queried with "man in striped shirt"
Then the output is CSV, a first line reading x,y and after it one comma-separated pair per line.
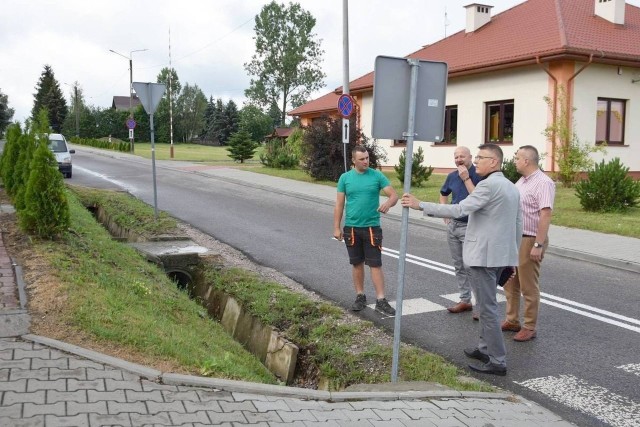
x,y
537,192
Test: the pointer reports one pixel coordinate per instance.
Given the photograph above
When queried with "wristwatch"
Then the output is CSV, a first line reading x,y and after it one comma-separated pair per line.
x,y
538,245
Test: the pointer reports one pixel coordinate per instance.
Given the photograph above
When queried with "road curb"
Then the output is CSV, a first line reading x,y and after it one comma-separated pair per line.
x,y
259,388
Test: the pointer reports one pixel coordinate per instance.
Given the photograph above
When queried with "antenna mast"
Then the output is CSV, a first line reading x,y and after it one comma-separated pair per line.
x,y
446,22
170,99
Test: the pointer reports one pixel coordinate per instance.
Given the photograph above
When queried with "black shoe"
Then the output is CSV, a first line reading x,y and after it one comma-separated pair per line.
x,y
382,306
474,353
489,368
360,303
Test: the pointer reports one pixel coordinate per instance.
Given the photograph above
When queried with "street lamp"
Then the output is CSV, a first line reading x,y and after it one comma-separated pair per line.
x,y
130,58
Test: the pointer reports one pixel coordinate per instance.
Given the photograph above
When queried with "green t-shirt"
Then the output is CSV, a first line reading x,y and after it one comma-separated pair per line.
x,y
362,191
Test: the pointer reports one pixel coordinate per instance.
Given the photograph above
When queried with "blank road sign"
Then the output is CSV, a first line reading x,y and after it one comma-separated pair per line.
x,y
391,88
149,95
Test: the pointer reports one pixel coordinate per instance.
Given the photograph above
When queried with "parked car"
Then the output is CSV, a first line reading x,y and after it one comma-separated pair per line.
x,y
58,144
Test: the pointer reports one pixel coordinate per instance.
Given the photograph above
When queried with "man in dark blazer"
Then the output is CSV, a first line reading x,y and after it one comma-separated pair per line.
x,y
493,237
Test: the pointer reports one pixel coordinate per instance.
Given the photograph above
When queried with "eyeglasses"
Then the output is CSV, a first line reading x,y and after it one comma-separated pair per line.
x,y
483,157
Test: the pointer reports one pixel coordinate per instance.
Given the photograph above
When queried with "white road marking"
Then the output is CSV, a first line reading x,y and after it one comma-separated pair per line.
x,y
587,307
593,316
632,368
423,262
610,408
456,297
415,306
106,178
552,300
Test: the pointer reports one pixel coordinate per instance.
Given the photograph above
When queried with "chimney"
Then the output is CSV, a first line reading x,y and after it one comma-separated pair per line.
x,y
477,16
611,10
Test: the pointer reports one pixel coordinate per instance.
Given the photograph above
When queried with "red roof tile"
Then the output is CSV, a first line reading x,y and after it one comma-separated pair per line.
x,y
542,29
325,103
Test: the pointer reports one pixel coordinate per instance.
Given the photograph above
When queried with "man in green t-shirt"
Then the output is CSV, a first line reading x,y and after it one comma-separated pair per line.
x,y
360,188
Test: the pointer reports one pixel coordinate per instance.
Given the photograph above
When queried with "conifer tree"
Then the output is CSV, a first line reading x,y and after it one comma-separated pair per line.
x,y
419,173
45,210
49,96
10,158
241,146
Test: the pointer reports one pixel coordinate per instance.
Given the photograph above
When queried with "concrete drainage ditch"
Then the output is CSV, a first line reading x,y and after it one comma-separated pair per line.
x,y
182,260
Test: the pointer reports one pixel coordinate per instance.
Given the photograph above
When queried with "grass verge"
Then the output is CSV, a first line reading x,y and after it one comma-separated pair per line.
x,y
109,295
567,210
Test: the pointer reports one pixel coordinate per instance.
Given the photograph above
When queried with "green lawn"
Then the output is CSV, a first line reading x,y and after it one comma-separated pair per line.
x,y
567,209
194,153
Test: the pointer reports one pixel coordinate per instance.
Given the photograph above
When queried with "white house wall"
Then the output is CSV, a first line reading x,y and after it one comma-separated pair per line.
x,y
526,86
604,81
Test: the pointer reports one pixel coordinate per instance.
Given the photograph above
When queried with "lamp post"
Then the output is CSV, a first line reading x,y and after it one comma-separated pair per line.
x,y
130,58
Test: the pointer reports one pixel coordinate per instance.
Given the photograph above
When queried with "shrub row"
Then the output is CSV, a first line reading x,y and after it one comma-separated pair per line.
x,y
31,178
102,143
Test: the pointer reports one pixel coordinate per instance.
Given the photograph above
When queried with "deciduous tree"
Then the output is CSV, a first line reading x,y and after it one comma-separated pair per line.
x,y
256,122
285,67
162,116
190,111
6,113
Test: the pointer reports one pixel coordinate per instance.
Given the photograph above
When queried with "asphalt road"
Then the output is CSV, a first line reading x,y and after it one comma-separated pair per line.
x,y
583,366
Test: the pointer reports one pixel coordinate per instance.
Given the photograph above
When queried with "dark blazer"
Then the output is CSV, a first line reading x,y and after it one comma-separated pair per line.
x,y
494,230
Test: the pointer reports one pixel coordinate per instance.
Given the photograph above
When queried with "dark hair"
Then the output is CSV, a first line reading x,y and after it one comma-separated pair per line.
x,y
358,149
494,149
535,157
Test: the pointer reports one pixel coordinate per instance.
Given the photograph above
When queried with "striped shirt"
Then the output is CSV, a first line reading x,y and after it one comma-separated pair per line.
x,y
537,192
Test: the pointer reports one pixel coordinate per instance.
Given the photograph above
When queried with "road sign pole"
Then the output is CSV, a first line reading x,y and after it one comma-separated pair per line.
x,y
345,68
153,167
413,90
150,95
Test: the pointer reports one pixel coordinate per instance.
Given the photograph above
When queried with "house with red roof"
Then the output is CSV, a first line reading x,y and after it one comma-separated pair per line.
x,y
510,74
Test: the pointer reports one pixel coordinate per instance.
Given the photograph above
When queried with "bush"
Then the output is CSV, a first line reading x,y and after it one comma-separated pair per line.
x,y
116,145
571,155
295,142
509,170
278,155
46,210
419,173
608,188
323,148
10,158
27,143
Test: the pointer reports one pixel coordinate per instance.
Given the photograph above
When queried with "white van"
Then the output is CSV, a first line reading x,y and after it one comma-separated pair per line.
x,y
58,144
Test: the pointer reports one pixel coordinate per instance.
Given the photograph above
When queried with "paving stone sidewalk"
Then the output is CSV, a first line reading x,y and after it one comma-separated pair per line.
x,y
45,386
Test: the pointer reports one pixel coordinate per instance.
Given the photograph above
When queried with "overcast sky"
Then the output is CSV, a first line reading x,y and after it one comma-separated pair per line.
x,y
210,41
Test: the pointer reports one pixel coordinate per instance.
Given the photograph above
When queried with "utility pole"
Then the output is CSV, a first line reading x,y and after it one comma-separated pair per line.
x,y
75,107
130,58
76,111
345,69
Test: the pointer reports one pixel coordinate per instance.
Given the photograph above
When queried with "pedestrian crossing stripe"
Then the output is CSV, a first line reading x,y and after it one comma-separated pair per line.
x,y
456,298
596,401
632,368
415,306
423,305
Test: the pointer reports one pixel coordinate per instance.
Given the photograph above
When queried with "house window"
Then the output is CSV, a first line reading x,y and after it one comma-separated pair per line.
x,y
499,126
399,142
610,117
450,125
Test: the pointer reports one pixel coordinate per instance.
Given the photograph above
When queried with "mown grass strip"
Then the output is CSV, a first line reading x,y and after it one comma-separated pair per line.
x,y
344,351
115,295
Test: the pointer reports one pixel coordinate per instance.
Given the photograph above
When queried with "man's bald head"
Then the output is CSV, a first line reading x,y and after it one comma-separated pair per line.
x,y
462,156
